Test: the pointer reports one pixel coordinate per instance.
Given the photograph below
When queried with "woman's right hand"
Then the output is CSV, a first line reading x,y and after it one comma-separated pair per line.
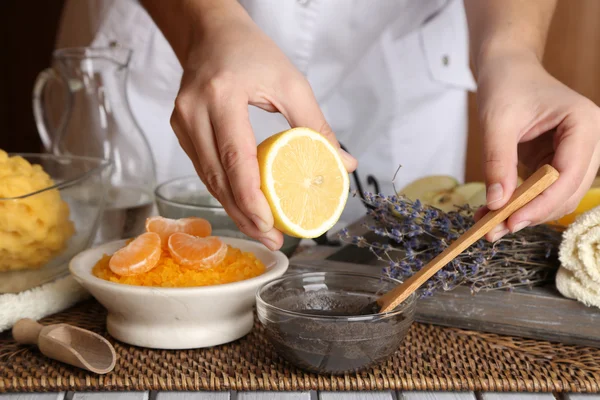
x,y
230,64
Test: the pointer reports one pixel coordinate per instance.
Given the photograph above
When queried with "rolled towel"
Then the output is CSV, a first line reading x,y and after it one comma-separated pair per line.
x,y
579,274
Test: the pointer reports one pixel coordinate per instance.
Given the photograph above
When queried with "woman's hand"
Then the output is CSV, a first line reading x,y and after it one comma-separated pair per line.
x,y
231,64
530,117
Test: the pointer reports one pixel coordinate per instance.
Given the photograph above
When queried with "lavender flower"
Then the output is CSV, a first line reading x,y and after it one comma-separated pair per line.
x,y
411,234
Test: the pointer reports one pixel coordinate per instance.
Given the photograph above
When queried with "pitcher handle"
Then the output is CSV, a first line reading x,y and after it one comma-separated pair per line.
x,y
46,133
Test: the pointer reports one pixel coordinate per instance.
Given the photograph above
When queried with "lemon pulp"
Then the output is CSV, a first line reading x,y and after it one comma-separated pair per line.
x,y
304,181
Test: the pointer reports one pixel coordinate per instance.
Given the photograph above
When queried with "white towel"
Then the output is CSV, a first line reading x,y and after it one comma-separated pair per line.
x,y
40,302
579,274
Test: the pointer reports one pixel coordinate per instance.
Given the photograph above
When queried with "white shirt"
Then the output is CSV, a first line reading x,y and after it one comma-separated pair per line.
x,y
391,77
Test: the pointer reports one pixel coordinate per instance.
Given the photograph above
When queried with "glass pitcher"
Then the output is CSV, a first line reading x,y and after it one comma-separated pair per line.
x,y
94,119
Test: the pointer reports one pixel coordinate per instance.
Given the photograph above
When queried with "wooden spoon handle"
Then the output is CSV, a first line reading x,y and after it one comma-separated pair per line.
x,y
26,331
531,188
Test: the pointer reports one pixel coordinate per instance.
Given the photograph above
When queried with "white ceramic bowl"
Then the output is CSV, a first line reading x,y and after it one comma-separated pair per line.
x,y
178,318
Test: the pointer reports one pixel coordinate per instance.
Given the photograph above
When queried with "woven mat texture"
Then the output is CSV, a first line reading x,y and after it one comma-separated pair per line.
x,y
430,358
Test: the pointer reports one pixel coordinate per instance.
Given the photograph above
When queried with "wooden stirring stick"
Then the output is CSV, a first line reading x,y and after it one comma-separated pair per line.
x,y
69,344
531,188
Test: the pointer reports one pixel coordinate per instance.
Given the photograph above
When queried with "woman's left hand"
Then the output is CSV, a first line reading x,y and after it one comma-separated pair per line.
x,y
530,117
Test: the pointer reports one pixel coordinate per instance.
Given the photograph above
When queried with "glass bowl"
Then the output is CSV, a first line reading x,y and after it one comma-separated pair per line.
x,y
310,319
42,230
188,197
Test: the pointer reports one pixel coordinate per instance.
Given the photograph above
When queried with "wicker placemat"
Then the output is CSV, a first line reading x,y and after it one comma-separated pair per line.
x,y
431,358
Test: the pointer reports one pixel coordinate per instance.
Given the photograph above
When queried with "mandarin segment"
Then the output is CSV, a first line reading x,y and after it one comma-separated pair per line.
x,y
196,253
196,226
165,227
139,256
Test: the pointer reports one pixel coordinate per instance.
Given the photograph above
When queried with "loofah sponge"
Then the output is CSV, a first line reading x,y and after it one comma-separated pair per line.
x,y
34,227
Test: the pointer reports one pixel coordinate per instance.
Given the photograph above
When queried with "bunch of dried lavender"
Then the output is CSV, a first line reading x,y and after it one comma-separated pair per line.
x,y
412,234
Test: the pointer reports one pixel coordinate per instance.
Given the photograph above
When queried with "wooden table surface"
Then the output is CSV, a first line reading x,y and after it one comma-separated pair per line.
x,y
314,253
295,396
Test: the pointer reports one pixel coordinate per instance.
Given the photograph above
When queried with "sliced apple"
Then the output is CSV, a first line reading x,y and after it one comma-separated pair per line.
x,y
435,190
447,201
428,187
470,189
444,192
478,199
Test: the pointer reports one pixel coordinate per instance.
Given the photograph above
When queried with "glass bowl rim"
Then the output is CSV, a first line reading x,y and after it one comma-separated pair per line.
x,y
95,52
406,305
102,164
165,200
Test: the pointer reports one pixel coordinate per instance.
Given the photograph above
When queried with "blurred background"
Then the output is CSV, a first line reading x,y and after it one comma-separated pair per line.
x,y
29,30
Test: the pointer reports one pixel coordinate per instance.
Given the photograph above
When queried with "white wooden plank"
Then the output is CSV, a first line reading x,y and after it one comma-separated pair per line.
x,y
576,396
33,396
110,395
356,395
436,396
273,395
517,396
192,396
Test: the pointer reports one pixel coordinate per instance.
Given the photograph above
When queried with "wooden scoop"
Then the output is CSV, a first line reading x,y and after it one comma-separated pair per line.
x,y
531,188
69,344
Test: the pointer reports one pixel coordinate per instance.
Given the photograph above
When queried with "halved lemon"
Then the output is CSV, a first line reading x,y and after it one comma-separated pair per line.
x,y
304,181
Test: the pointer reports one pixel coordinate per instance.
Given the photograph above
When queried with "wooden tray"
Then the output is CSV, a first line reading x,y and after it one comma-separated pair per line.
x,y
538,313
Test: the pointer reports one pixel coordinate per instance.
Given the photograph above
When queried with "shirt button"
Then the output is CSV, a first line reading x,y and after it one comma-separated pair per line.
x,y
445,60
